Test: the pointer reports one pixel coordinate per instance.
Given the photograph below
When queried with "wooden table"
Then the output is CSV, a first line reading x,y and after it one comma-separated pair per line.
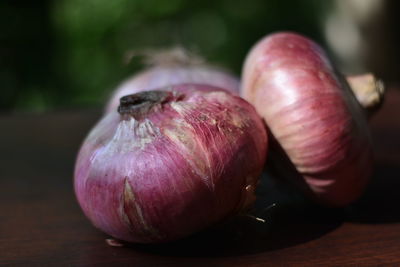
x,y
41,224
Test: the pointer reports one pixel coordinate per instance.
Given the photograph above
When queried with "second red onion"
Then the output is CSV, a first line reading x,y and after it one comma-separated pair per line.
x,y
313,115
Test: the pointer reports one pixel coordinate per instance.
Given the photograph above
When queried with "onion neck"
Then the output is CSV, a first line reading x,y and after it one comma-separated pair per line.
x,y
141,104
368,90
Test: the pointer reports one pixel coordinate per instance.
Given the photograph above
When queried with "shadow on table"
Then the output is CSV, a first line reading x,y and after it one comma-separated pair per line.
x,y
290,222
380,203
247,236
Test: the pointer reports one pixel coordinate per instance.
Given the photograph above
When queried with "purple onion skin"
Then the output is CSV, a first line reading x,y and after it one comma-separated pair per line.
x,y
313,116
162,76
190,161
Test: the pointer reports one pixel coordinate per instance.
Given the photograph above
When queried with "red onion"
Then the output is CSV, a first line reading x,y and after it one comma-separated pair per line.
x,y
174,67
313,116
170,162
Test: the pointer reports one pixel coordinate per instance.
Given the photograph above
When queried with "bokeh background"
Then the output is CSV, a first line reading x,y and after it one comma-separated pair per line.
x,y
66,54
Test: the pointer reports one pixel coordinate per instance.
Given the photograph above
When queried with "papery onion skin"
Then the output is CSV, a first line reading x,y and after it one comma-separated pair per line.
x,y
191,160
312,114
161,76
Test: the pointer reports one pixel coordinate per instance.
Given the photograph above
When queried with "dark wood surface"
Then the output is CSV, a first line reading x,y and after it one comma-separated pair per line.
x,y
41,223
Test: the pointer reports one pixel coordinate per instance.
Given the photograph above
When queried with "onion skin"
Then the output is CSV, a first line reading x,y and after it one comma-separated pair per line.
x,y
170,163
312,115
161,76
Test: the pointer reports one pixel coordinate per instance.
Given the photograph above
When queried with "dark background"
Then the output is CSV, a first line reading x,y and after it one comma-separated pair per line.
x,y
69,54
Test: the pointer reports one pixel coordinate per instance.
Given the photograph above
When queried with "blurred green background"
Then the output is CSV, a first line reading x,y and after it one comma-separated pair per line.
x,y
71,53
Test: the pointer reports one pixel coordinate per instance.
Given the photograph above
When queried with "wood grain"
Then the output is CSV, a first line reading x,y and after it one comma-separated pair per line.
x,y
42,225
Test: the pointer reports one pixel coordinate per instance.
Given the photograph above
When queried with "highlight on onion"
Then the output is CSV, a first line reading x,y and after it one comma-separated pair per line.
x,y
320,137
173,67
170,162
